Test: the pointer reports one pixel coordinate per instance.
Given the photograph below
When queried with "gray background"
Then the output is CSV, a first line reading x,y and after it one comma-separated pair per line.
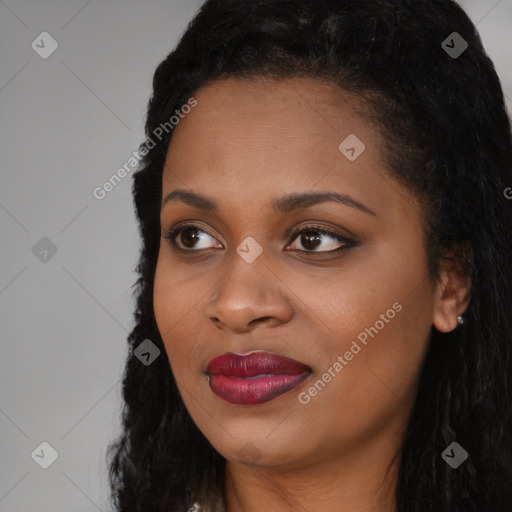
x,y
68,122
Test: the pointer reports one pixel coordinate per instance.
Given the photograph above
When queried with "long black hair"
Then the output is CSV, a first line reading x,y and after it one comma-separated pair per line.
x,y
448,138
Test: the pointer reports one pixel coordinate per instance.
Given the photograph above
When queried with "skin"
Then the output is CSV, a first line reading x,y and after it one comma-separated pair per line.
x,y
243,145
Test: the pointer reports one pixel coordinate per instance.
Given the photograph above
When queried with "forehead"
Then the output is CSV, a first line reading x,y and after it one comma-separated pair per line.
x,y
297,108
321,105
251,138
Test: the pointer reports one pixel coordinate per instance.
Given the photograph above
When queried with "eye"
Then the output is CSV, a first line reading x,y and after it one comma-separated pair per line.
x,y
185,238
311,238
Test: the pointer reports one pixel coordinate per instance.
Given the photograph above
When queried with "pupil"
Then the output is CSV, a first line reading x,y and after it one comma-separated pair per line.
x,y
308,237
191,238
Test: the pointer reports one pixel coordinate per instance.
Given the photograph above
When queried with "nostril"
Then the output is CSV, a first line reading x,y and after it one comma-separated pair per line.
x,y
262,319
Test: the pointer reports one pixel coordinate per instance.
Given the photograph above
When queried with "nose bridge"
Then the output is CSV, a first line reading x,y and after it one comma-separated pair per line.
x,y
244,285
248,293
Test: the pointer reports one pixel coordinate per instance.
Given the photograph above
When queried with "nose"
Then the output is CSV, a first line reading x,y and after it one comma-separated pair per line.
x,y
250,295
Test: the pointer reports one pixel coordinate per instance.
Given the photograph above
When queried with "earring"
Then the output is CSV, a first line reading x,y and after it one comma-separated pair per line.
x,y
460,320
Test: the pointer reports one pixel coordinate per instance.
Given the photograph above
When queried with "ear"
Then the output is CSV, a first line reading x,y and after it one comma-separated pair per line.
x,y
453,292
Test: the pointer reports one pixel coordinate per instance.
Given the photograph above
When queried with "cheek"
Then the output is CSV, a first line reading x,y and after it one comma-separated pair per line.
x,y
374,382
359,304
178,302
164,300
175,304
378,320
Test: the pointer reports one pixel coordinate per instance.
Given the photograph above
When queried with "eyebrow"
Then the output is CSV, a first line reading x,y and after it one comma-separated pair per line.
x,y
281,205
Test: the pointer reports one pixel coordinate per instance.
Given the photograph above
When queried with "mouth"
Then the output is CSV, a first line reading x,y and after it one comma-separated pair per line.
x,y
255,378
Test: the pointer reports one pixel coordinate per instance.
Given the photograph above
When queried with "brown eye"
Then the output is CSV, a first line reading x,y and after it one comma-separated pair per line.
x,y
313,238
188,238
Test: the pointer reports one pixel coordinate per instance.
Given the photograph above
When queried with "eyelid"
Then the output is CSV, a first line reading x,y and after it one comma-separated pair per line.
x,y
348,237
172,233
291,234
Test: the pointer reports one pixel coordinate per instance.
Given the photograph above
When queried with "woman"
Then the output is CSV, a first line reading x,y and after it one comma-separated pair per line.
x,y
326,266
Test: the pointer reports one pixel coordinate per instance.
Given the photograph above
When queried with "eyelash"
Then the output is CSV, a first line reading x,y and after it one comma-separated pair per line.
x,y
172,234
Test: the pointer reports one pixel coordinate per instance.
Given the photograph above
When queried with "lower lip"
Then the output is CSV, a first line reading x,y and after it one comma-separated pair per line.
x,y
254,390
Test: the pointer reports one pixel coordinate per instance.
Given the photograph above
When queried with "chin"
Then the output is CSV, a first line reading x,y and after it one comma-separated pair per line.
x,y
263,445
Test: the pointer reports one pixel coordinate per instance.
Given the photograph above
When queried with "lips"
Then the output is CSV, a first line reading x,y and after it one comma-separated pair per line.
x,y
254,378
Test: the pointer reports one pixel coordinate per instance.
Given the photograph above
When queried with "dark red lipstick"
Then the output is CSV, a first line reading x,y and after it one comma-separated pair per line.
x,y
254,378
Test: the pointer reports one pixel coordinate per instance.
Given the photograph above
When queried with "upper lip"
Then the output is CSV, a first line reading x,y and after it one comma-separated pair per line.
x,y
255,363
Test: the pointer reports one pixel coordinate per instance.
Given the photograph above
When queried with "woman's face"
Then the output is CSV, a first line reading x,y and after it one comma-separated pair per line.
x,y
350,309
